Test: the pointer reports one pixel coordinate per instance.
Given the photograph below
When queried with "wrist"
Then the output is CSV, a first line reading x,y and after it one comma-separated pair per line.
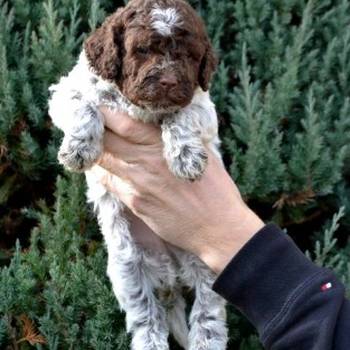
x,y
229,239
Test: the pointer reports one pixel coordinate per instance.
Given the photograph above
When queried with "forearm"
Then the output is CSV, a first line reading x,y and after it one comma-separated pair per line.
x,y
293,303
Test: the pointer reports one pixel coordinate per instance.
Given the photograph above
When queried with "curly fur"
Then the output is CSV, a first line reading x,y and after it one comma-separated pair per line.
x,y
147,283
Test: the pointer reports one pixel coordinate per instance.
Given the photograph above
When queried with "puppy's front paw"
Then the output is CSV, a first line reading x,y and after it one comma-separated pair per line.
x,y
79,154
190,163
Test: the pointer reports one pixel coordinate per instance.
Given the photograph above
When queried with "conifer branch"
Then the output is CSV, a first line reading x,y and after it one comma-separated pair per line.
x,y
30,334
295,199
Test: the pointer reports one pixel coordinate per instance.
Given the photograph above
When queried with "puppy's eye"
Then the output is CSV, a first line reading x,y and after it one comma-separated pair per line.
x,y
195,56
190,55
142,50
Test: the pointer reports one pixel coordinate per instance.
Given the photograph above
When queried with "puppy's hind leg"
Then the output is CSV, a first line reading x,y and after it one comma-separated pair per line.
x,y
208,329
175,306
208,320
145,317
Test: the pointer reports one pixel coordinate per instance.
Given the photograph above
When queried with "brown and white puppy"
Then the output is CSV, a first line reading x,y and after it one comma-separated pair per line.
x,y
153,60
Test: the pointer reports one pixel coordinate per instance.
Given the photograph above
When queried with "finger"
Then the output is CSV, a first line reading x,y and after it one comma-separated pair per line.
x,y
124,190
134,131
119,187
128,151
122,148
113,165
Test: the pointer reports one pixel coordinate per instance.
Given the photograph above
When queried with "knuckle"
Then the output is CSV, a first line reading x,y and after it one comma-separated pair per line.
x,y
105,181
101,160
137,203
127,127
104,160
107,163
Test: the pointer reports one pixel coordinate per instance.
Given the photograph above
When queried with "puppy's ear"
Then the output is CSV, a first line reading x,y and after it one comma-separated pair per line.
x,y
104,47
207,67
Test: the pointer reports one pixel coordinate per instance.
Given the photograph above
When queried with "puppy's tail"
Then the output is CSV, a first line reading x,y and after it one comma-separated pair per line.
x,y
175,305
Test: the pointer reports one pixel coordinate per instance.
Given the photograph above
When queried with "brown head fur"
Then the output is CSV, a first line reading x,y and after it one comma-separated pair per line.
x,y
153,70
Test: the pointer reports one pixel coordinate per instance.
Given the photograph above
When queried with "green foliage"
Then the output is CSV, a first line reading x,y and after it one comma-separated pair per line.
x,y
325,247
3,332
39,41
288,108
257,170
282,94
60,282
326,251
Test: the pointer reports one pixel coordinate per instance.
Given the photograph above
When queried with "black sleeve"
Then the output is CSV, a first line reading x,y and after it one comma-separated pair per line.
x,y
293,303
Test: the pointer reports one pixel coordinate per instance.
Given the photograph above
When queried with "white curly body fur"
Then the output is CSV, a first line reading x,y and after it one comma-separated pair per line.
x,y
147,283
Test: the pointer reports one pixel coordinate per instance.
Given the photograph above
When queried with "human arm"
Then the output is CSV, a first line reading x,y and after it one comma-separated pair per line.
x,y
293,303
268,278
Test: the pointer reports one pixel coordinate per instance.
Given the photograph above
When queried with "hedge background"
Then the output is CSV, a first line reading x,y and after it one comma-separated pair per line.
x,y
282,93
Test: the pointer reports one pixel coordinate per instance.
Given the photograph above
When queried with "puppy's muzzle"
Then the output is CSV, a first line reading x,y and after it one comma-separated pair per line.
x,y
168,81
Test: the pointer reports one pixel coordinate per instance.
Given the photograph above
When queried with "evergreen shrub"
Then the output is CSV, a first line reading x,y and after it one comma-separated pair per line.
x,y
282,94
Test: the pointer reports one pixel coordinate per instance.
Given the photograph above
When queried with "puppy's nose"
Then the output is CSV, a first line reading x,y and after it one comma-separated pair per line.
x,y
168,81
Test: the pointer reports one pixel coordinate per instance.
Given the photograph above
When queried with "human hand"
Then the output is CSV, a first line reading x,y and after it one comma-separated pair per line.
x,y
207,217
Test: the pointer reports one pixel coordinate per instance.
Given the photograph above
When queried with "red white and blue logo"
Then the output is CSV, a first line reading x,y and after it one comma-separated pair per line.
x,y
326,286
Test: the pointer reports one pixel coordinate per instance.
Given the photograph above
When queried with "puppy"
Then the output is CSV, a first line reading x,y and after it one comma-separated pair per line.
x,y
153,60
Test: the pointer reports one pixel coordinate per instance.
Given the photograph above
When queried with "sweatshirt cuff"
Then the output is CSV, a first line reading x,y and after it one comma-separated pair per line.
x,y
264,273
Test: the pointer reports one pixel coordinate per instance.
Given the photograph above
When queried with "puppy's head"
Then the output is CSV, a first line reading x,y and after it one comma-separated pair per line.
x,y
156,51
